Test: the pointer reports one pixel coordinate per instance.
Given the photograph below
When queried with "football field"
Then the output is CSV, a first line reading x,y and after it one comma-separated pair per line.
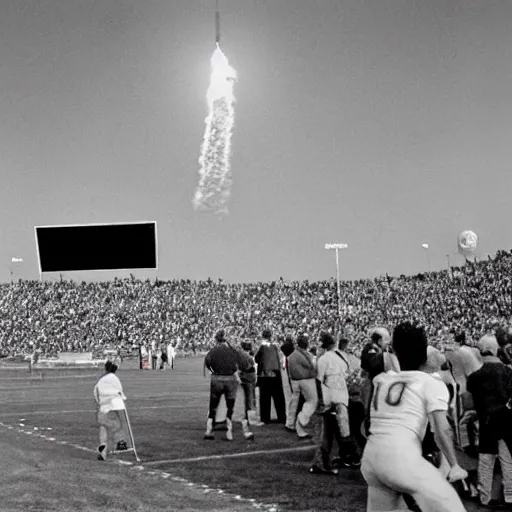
x,y
49,439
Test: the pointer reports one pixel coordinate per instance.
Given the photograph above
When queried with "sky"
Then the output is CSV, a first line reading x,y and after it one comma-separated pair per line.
x,y
382,124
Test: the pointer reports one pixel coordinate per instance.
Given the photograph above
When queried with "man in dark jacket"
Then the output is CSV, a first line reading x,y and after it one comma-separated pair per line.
x,y
288,346
302,375
269,379
491,389
223,362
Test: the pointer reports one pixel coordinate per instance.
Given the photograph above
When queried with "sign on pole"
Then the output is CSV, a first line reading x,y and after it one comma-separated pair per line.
x,y
336,246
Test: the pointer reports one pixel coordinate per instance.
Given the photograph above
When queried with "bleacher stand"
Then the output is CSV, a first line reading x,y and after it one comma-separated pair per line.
x,y
73,316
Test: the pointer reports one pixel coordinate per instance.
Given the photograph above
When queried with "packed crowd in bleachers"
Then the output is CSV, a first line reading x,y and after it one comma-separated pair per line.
x,y
72,316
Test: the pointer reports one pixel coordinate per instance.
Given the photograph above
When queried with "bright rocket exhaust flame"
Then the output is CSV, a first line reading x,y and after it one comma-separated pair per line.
x,y
222,78
214,187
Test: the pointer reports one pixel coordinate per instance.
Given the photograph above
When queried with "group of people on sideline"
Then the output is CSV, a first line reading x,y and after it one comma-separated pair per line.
x,y
316,385
157,356
311,383
441,402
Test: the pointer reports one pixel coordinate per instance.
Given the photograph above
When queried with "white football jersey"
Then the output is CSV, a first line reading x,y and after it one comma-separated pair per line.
x,y
402,401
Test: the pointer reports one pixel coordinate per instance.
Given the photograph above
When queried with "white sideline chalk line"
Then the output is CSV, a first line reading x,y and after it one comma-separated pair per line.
x,y
10,391
232,455
270,507
49,377
36,432
62,411
46,378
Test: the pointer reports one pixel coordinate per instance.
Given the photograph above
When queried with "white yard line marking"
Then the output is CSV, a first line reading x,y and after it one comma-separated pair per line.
x,y
35,433
88,398
232,455
62,411
269,507
54,377
48,377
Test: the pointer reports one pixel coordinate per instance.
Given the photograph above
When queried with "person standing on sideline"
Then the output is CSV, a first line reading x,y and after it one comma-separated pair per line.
x,y
504,338
302,375
171,354
356,410
403,404
270,380
287,348
491,389
331,374
107,390
163,357
376,357
464,360
154,355
223,362
248,383
141,356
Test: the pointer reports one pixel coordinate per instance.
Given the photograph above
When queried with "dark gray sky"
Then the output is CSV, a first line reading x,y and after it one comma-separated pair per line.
x,y
383,124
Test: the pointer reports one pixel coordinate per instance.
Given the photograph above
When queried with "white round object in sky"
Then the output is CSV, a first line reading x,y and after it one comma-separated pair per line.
x,y
467,242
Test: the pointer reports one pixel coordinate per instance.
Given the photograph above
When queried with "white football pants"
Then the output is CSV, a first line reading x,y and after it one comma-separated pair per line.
x,y
392,466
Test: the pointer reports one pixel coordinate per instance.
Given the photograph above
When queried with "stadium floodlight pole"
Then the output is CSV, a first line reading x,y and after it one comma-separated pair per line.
x,y
14,260
337,247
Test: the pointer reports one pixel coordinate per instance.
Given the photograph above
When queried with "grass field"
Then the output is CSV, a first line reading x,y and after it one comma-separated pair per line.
x,y
49,438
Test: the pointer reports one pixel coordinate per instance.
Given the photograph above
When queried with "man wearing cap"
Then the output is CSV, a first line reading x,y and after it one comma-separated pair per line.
x,y
107,390
223,362
491,389
270,380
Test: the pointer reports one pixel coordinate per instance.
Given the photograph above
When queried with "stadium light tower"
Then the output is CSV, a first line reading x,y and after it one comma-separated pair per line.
x,y
337,247
14,260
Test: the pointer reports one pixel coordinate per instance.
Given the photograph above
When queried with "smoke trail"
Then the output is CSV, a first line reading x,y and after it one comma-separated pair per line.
x,y
214,187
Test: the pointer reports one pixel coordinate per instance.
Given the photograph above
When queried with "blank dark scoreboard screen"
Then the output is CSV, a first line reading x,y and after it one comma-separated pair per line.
x,y
97,247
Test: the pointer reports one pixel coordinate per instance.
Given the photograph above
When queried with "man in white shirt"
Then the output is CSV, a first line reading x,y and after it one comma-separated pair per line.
x,y
109,397
144,355
171,354
464,359
331,372
402,405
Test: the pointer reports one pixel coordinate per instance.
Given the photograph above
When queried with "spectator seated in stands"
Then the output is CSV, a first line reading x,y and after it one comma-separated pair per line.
x,y
74,316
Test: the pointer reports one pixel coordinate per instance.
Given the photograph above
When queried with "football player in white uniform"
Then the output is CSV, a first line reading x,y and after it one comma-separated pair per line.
x,y
403,403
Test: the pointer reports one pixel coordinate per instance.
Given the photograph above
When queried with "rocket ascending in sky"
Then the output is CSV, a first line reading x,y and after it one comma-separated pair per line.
x,y
217,23
214,188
